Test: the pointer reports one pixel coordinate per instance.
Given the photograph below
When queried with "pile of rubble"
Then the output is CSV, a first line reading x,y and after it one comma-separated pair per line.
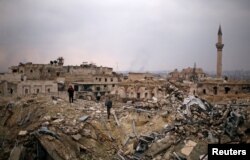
x,y
176,126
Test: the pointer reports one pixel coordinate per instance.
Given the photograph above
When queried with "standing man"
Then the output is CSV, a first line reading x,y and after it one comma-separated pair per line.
x,y
71,94
108,104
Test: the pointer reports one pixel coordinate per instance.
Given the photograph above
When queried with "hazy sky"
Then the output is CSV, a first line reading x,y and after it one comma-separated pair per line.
x,y
137,35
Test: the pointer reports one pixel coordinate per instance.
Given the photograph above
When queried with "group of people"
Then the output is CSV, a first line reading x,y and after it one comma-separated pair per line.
x,y
108,102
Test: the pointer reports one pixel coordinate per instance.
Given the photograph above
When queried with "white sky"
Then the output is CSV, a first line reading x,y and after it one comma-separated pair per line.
x,y
139,35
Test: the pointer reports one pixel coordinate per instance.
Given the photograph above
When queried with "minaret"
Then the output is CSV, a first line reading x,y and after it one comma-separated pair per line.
x,y
219,47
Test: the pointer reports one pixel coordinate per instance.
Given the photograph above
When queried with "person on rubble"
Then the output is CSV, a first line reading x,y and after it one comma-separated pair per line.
x,y
71,93
108,104
98,97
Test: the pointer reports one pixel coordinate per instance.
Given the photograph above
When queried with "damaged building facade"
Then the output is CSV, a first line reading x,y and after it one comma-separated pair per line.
x,y
87,79
221,87
141,86
96,84
187,74
154,119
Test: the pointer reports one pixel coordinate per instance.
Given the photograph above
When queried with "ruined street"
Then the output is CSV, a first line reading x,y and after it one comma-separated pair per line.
x,y
177,126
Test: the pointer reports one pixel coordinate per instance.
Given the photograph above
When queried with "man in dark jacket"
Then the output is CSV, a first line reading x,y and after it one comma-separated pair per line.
x,y
71,94
108,104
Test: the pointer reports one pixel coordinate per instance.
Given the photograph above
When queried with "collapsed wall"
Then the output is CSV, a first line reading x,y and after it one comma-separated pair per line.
x,y
176,126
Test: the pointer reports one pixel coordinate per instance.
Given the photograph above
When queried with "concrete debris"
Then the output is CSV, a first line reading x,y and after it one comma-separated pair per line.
x,y
45,130
22,133
16,153
47,118
232,123
83,118
172,126
58,121
178,157
77,137
116,119
188,148
204,157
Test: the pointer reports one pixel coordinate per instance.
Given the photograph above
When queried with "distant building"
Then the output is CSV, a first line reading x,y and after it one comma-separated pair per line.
x,y
133,76
221,87
188,74
141,86
29,78
97,84
36,87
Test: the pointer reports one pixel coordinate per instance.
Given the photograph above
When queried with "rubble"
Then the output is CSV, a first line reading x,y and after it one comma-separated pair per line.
x,y
188,148
76,137
175,126
22,133
83,118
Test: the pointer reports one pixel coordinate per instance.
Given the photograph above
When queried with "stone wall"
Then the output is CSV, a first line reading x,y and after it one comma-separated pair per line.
x,y
39,71
222,88
36,87
139,76
141,90
11,77
6,87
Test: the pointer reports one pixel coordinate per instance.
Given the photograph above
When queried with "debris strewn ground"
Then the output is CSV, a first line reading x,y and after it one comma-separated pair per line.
x,y
176,126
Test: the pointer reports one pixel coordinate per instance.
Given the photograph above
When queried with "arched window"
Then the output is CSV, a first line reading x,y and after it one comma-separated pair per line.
x,y
215,90
227,89
204,91
26,91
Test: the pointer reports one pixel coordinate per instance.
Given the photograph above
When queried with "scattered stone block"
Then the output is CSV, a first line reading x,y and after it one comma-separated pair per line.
x,y
188,148
76,137
23,133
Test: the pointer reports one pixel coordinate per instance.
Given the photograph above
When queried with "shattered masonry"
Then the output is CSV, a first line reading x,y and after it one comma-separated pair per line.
x,y
175,126
151,118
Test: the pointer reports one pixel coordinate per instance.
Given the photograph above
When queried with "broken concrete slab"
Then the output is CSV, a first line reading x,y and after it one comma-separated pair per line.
x,y
58,121
83,118
76,137
23,133
188,148
16,153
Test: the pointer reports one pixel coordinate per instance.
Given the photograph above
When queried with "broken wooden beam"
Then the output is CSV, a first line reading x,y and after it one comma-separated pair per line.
x,y
117,122
133,127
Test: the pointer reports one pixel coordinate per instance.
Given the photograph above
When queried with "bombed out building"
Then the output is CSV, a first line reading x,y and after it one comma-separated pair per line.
x,y
141,86
29,78
222,87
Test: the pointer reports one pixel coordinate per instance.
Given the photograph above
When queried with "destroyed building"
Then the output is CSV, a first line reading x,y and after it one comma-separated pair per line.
x,y
175,126
141,89
95,84
137,76
221,87
29,78
188,74
151,118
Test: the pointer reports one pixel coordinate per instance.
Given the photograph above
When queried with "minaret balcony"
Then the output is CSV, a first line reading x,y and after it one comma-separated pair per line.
x,y
219,46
